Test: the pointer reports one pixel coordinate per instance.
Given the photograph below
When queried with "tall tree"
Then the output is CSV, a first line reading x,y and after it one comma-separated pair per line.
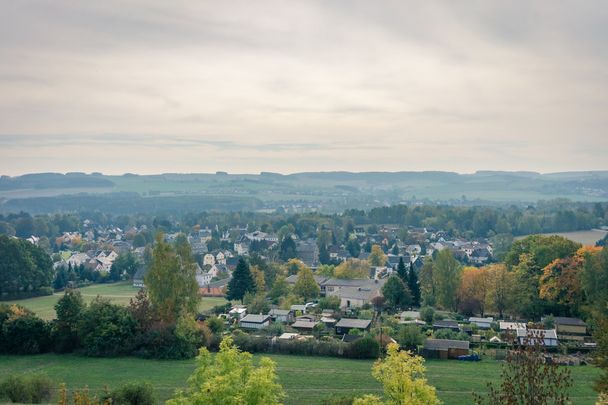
x,y
306,286
171,281
427,287
324,255
414,287
377,257
501,285
473,290
446,279
287,249
242,282
402,270
396,293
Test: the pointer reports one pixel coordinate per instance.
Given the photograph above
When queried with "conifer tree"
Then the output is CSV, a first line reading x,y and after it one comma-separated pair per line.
x,y
241,283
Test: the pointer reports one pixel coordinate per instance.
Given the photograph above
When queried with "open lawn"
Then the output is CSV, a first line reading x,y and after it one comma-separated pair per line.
x,y
307,380
119,293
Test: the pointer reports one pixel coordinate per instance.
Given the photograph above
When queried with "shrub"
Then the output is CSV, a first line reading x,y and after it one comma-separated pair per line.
x,y
216,324
410,336
32,388
136,393
25,334
426,314
106,329
365,348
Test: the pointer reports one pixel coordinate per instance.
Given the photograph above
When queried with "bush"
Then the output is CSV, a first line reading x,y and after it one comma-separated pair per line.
x,y
137,393
427,314
338,400
25,334
32,388
171,342
106,329
364,348
216,324
410,336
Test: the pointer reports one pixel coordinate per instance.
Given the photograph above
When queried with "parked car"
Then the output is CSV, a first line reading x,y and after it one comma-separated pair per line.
x,y
469,357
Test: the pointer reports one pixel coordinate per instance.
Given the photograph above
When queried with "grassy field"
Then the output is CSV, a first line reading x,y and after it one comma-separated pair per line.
x,y
119,293
307,380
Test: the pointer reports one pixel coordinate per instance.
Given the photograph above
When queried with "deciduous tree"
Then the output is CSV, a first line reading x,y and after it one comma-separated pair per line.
x,y
171,281
402,376
230,378
352,268
446,279
306,286
377,257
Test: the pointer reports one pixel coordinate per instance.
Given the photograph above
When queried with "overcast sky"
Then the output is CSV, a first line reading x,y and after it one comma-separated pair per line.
x,y
287,86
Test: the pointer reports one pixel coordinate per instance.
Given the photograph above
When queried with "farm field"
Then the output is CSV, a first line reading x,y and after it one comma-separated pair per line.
x,y
307,380
587,238
119,293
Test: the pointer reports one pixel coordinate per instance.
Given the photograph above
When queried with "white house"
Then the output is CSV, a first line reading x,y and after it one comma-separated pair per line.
x,y
208,259
220,258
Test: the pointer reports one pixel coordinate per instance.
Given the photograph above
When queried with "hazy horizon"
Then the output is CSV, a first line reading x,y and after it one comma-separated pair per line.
x,y
153,87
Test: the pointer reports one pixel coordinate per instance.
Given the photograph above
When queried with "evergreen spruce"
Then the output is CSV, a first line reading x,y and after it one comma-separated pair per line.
x,y
241,283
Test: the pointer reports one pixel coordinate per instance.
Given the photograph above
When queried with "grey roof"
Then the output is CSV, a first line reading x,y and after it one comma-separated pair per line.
x,y
445,344
294,277
360,293
562,320
445,324
304,325
355,282
481,320
279,312
254,318
353,323
220,283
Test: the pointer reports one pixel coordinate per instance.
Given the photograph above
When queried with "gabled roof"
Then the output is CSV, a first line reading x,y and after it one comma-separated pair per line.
x,y
279,312
353,323
445,344
304,325
562,320
481,320
253,318
445,324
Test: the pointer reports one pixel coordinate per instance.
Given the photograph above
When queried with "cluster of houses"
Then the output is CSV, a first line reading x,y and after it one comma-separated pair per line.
x,y
299,320
566,330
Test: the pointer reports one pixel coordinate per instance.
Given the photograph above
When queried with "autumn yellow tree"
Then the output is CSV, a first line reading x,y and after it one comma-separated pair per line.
x,y
473,290
259,279
561,279
377,257
402,376
353,268
501,286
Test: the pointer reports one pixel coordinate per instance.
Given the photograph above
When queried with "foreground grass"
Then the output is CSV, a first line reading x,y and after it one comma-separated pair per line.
x,y
307,380
119,293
